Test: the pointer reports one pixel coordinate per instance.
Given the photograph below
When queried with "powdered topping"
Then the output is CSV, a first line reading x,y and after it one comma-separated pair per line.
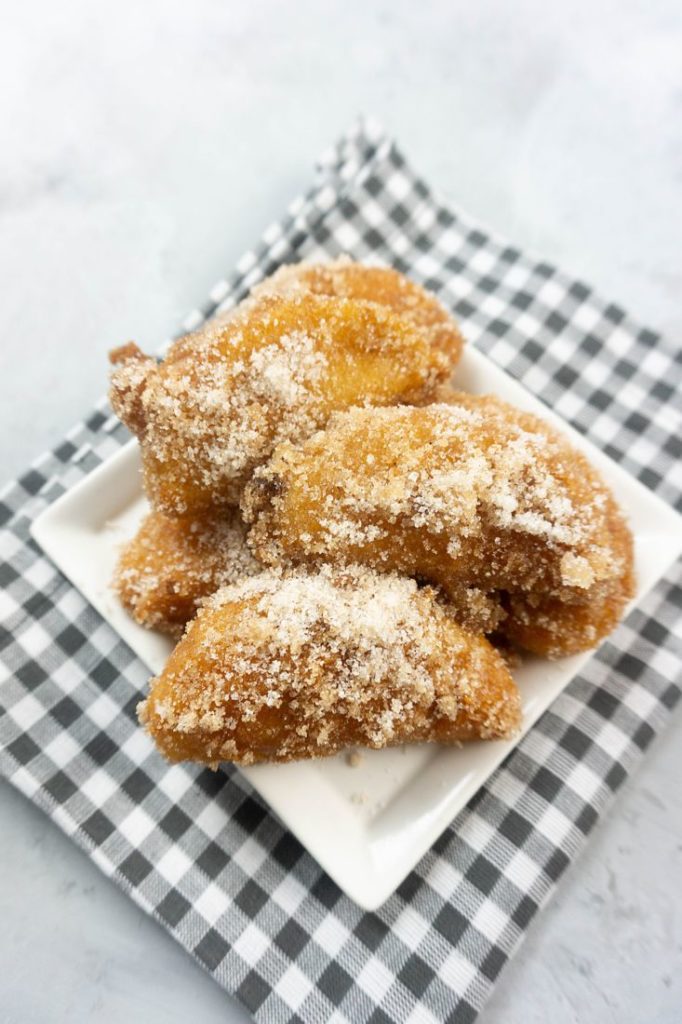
x,y
473,495
342,656
132,369
382,285
518,532
273,370
458,473
171,565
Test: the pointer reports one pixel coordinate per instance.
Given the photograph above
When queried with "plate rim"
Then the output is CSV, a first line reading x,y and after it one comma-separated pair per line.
x,y
369,887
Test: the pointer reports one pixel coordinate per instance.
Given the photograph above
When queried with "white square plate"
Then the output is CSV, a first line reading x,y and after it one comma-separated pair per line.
x,y
370,824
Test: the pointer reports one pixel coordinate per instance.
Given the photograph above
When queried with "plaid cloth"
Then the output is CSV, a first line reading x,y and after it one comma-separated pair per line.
x,y
197,849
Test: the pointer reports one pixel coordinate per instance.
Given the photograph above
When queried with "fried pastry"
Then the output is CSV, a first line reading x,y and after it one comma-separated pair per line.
x,y
274,370
171,565
478,497
295,665
388,287
554,626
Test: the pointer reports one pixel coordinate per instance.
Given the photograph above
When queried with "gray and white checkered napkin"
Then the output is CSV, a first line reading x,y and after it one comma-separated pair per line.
x,y
197,849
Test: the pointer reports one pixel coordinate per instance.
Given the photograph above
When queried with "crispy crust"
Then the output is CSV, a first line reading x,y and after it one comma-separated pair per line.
x,y
382,285
401,521
471,494
273,370
171,565
299,665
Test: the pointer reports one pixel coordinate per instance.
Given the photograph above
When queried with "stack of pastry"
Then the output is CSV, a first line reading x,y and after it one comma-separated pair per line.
x,y
345,547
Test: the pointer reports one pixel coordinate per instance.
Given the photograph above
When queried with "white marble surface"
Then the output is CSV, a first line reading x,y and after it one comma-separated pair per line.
x,y
144,147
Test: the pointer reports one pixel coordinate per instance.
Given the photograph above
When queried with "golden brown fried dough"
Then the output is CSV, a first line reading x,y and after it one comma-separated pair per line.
x,y
383,285
552,627
473,494
171,565
299,665
274,370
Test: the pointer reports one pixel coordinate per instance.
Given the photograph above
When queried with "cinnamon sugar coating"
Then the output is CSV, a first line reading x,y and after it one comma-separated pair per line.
x,y
271,370
170,566
401,522
383,285
473,495
304,664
